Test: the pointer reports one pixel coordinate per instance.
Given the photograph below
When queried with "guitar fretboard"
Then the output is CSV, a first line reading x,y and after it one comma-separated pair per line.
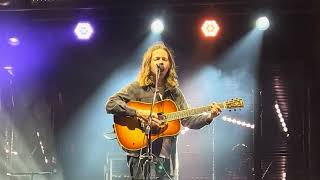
x,y
190,112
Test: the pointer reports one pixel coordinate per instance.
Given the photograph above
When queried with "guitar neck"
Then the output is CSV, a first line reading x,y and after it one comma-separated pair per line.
x,y
190,112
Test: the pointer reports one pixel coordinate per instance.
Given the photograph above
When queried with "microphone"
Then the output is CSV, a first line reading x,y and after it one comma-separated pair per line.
x,y
160,67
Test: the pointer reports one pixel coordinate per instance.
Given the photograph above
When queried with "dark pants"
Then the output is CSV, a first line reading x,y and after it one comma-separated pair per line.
x,y
158,168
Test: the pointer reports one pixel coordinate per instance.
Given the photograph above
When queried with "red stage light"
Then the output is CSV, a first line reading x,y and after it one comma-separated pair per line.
x,y
210,28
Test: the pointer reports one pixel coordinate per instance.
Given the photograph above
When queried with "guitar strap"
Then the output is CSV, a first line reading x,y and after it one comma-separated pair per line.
x,y
172,97
160,92
160,95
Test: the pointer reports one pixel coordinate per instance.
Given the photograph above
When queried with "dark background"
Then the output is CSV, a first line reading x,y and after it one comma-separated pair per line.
x,y
66,73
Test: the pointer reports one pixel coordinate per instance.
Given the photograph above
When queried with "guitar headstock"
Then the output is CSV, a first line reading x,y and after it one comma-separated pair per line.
x,y
234,103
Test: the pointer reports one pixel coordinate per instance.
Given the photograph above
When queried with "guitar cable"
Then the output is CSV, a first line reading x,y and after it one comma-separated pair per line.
x,y
140,153
157,159
139,162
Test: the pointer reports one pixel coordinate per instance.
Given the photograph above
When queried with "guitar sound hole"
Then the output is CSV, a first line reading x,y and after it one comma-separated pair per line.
x,y
160,115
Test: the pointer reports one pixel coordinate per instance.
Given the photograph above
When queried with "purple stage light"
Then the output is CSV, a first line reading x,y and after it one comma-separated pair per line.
x,y
13,41
9,69
83,30
5,3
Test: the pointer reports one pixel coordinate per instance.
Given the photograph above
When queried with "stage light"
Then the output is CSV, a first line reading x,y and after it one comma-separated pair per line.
x,y
9,69
262,23
284,175
210,28
281,119
13,41
157,26
5,2
83,30
237,122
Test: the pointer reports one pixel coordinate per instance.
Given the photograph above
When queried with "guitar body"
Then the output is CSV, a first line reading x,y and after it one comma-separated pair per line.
x,y
130,133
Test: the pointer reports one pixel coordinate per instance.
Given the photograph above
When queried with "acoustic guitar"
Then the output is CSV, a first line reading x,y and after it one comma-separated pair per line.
x,y
130,131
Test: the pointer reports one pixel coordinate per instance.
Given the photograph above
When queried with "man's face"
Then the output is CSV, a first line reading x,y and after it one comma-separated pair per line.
x,y
157,57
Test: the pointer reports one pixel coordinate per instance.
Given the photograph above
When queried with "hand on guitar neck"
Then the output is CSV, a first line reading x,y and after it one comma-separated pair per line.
x,y
143,115
215,110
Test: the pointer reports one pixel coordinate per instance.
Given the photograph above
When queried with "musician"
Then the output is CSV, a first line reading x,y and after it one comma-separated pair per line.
x,y
158,55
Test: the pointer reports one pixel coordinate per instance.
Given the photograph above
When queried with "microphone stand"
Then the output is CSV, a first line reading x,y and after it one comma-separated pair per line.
x,y
149,155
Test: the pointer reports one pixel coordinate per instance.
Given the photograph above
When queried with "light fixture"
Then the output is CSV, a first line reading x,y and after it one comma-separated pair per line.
x,y
210,28
262,23
157,26
83,30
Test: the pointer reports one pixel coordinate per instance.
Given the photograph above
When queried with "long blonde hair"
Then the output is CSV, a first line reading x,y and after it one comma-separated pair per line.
x,y
145,77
